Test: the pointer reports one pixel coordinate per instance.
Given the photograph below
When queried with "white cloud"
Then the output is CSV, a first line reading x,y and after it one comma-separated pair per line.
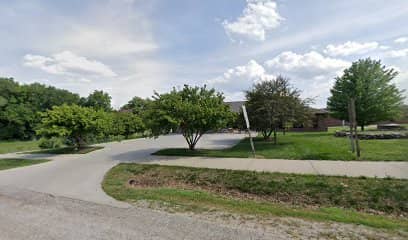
x,y
350,47
397,53
240,77
257,18
67,63
311,72
107,42
311,63
401,40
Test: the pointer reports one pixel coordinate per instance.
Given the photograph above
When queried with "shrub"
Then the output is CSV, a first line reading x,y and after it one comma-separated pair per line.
x,y
53,142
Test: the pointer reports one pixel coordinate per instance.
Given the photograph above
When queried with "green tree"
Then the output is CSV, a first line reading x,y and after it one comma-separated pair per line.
x,y
137,105
193,111
74,123
20,104
127,123
273,104
369,83
98,100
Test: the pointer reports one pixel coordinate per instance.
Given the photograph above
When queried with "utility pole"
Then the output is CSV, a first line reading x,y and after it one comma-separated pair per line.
x,y
353,127
244,111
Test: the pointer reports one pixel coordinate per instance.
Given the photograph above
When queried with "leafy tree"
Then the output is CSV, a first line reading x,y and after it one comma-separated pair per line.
x,y
74,123
137,105
19,105
42,97
98,100
127,123
369,83
273,104
193,111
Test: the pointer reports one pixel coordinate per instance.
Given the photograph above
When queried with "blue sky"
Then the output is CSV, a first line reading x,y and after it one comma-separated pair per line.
x,y
132,47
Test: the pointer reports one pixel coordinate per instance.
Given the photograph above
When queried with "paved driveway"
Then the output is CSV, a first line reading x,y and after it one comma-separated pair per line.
x,y
80,176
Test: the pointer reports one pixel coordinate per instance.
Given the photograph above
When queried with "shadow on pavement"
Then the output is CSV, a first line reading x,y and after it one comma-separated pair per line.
x,y
141,155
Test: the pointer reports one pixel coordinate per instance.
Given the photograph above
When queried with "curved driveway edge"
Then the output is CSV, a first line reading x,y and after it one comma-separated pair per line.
x,y
79,176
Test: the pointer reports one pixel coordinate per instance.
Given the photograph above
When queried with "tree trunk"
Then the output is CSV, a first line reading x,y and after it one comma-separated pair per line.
x,y
77,143
274,137
191,146
362,128
192,139
265,135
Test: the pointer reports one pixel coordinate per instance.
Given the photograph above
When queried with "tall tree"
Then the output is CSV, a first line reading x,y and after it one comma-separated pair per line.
x,y
20,104
137,105
98,100
274,103
370,84
193,111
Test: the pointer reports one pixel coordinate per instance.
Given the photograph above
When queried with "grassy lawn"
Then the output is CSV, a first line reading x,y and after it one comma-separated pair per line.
x,y
318,146
69,150
17,146
13,163
366,201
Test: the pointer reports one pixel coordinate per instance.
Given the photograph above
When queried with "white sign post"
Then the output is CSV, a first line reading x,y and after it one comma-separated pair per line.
x,y
248,128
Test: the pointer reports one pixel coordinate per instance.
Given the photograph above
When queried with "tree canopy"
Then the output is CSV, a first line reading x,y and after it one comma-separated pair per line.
x,y
98,100
274,103
20,104
126,124
370,84
137,105
74,123
193,111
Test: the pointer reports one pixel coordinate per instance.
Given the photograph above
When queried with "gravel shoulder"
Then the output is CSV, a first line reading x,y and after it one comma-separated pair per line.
x,y
30,215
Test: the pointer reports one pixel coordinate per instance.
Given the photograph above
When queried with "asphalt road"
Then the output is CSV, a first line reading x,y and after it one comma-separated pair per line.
x,y
31,215
35,216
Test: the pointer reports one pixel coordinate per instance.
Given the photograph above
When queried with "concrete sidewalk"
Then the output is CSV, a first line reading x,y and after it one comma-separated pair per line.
x,y
336,168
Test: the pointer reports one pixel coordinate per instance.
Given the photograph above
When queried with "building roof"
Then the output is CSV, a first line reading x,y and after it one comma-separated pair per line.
x,y
236,106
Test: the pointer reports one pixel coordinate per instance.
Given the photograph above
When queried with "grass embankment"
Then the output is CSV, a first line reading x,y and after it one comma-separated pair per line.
x,y
364,201
18,146
69,150
13,163
307,146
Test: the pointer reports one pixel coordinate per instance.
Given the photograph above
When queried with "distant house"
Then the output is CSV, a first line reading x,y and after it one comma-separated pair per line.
x,y
320,120
236,106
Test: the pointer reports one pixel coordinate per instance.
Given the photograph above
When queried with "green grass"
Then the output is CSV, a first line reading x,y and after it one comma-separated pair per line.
x,y
18,146
309,197
307,146
69,150
13,163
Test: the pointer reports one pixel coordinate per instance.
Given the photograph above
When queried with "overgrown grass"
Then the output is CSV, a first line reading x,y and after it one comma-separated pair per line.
x,y
307,146
321,198
13,163
18,146
69,150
